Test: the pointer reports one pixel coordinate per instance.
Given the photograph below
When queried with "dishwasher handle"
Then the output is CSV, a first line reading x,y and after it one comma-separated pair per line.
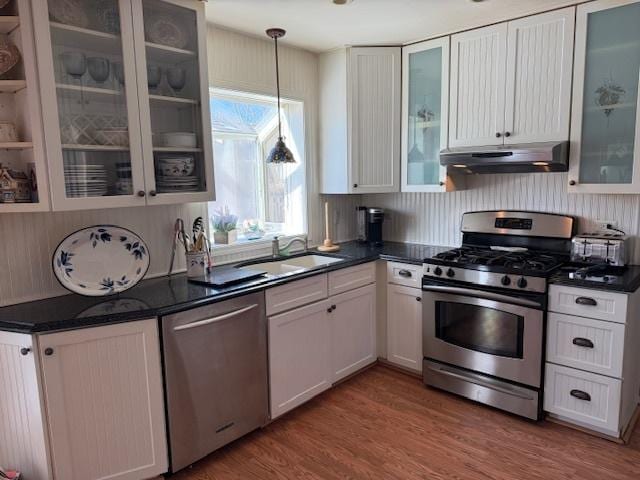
x,y
219,318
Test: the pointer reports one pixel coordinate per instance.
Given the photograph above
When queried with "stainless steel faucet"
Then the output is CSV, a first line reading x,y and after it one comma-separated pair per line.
x,y
276,251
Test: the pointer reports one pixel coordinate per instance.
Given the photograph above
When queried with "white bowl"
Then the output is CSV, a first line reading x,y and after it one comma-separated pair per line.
x,y
178,139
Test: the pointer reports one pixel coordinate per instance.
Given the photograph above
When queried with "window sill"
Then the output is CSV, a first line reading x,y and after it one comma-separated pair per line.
x,y
248,249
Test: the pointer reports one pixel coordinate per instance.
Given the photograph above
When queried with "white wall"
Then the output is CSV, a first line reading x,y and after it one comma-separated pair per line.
x,y
434,218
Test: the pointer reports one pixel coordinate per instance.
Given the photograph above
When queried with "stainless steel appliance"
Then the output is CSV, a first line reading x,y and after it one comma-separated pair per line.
x,y
215,361
601,247
369,221
484,308
533,157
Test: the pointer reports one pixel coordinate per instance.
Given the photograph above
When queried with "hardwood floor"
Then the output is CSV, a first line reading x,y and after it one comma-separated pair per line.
x,y
383,424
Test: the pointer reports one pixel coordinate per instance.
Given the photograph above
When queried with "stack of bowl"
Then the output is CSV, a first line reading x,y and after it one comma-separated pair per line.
x,y
175,174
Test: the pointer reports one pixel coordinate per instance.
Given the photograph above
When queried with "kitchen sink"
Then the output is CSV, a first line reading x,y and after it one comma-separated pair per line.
x,y
290,265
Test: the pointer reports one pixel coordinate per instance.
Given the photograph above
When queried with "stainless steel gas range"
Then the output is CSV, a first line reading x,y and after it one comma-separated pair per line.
x,y
484,308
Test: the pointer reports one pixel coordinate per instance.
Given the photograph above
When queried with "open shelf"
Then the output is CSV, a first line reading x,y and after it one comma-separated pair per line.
x,y
8,23
166,98
15,145
165,54
95,148
90,40
176,149
12,86
423,124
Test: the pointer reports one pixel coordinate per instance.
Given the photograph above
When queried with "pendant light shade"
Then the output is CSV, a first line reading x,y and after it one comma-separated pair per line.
x,y
279,153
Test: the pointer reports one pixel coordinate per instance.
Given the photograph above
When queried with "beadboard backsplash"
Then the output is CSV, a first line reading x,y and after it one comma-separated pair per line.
x,y
434,218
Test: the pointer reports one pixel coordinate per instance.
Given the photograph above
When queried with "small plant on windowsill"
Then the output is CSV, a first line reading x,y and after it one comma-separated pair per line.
x,y
224,226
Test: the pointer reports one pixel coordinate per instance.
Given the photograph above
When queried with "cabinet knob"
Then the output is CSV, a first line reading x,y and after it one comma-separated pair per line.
x,y
572,182
25,351
441,184
418,299
333,307
498,134
153,193
141,193
48,351
355,185
507,134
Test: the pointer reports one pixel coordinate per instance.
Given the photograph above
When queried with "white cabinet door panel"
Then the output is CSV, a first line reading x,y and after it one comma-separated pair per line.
x,y
538,85
375,98
404,327
299,356
478,69
353,331
296,294
104,394
346,279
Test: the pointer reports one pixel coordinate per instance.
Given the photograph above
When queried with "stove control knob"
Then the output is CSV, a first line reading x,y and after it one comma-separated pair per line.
x,y
451,273
505,280
522,282
437,271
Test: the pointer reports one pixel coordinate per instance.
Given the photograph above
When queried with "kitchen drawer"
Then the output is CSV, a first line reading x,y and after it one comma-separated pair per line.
x,y
341,281
609,306
600,406
404,274
586,344
295,294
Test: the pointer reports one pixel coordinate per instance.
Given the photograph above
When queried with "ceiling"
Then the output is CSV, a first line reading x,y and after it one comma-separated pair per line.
x,y
319,25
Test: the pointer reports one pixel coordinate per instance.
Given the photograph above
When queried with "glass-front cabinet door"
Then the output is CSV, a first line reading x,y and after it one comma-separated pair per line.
x,y
425,104
605,148
90,103
174,100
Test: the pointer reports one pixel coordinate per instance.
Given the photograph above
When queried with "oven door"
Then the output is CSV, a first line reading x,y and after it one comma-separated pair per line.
x,y
486,332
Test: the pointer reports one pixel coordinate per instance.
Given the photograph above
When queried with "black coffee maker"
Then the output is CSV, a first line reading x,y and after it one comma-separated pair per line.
x,y
370,225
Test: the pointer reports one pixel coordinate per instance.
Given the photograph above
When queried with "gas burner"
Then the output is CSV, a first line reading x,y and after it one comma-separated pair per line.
x,y
529,262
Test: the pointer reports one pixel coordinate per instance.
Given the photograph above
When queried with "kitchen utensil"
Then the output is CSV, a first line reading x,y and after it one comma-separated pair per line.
x,y
75,63
196,264
176,78
107,16
9,55
69,12
100,260
118,72
154,76
165,30
197,228
8,132
178,139
98,68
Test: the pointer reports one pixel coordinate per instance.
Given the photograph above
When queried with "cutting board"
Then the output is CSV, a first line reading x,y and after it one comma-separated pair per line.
x,y
225,277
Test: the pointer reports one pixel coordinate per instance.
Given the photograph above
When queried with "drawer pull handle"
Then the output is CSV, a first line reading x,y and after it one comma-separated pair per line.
x,y
586,301
580,395
405,273
583,342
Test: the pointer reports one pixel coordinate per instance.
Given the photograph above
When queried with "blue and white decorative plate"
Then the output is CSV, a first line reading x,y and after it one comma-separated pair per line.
x,y
101,260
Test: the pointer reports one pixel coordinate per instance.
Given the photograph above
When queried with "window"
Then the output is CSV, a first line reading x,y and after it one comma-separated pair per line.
x,y
268,199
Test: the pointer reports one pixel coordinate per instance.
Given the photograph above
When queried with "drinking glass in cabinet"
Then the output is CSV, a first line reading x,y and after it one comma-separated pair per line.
x,y
173,79
424,110
92,102
610,96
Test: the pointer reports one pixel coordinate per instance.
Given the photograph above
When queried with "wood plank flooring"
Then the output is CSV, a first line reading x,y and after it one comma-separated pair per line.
x,y
383,424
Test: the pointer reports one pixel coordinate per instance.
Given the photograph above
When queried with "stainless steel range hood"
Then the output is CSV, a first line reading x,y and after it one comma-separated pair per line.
x,y
531,157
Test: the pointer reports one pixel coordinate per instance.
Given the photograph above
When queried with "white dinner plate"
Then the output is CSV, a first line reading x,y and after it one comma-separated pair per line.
x,y
100,260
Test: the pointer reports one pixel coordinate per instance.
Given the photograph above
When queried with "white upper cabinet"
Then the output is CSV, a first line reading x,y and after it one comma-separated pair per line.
x,y
605,124
478,70
510,83
117,79
425,115
360,95
539,62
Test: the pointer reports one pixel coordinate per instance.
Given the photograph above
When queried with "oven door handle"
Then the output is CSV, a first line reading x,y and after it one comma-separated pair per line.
x,y
481,294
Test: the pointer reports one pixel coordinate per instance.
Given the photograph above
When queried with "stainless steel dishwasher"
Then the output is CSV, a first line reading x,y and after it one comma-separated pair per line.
x,y
216,376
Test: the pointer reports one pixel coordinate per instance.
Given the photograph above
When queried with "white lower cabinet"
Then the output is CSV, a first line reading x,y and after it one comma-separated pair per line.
x,y
104,397
404,326
299,356
353,331
313,346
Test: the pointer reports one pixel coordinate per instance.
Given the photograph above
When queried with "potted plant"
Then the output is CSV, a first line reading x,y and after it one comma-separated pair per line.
x,y
224,226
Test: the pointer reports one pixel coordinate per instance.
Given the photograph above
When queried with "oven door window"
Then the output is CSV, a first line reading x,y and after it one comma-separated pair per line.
x,y
482,329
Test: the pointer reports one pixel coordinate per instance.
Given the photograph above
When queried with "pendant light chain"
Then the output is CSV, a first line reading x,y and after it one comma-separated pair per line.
x,y
278,90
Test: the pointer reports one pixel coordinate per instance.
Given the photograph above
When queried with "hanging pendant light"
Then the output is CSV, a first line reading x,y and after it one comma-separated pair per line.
x,y
279,153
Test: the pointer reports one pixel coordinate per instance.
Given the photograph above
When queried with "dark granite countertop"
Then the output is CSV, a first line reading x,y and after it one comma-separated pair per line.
x,y
165,295
626,279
